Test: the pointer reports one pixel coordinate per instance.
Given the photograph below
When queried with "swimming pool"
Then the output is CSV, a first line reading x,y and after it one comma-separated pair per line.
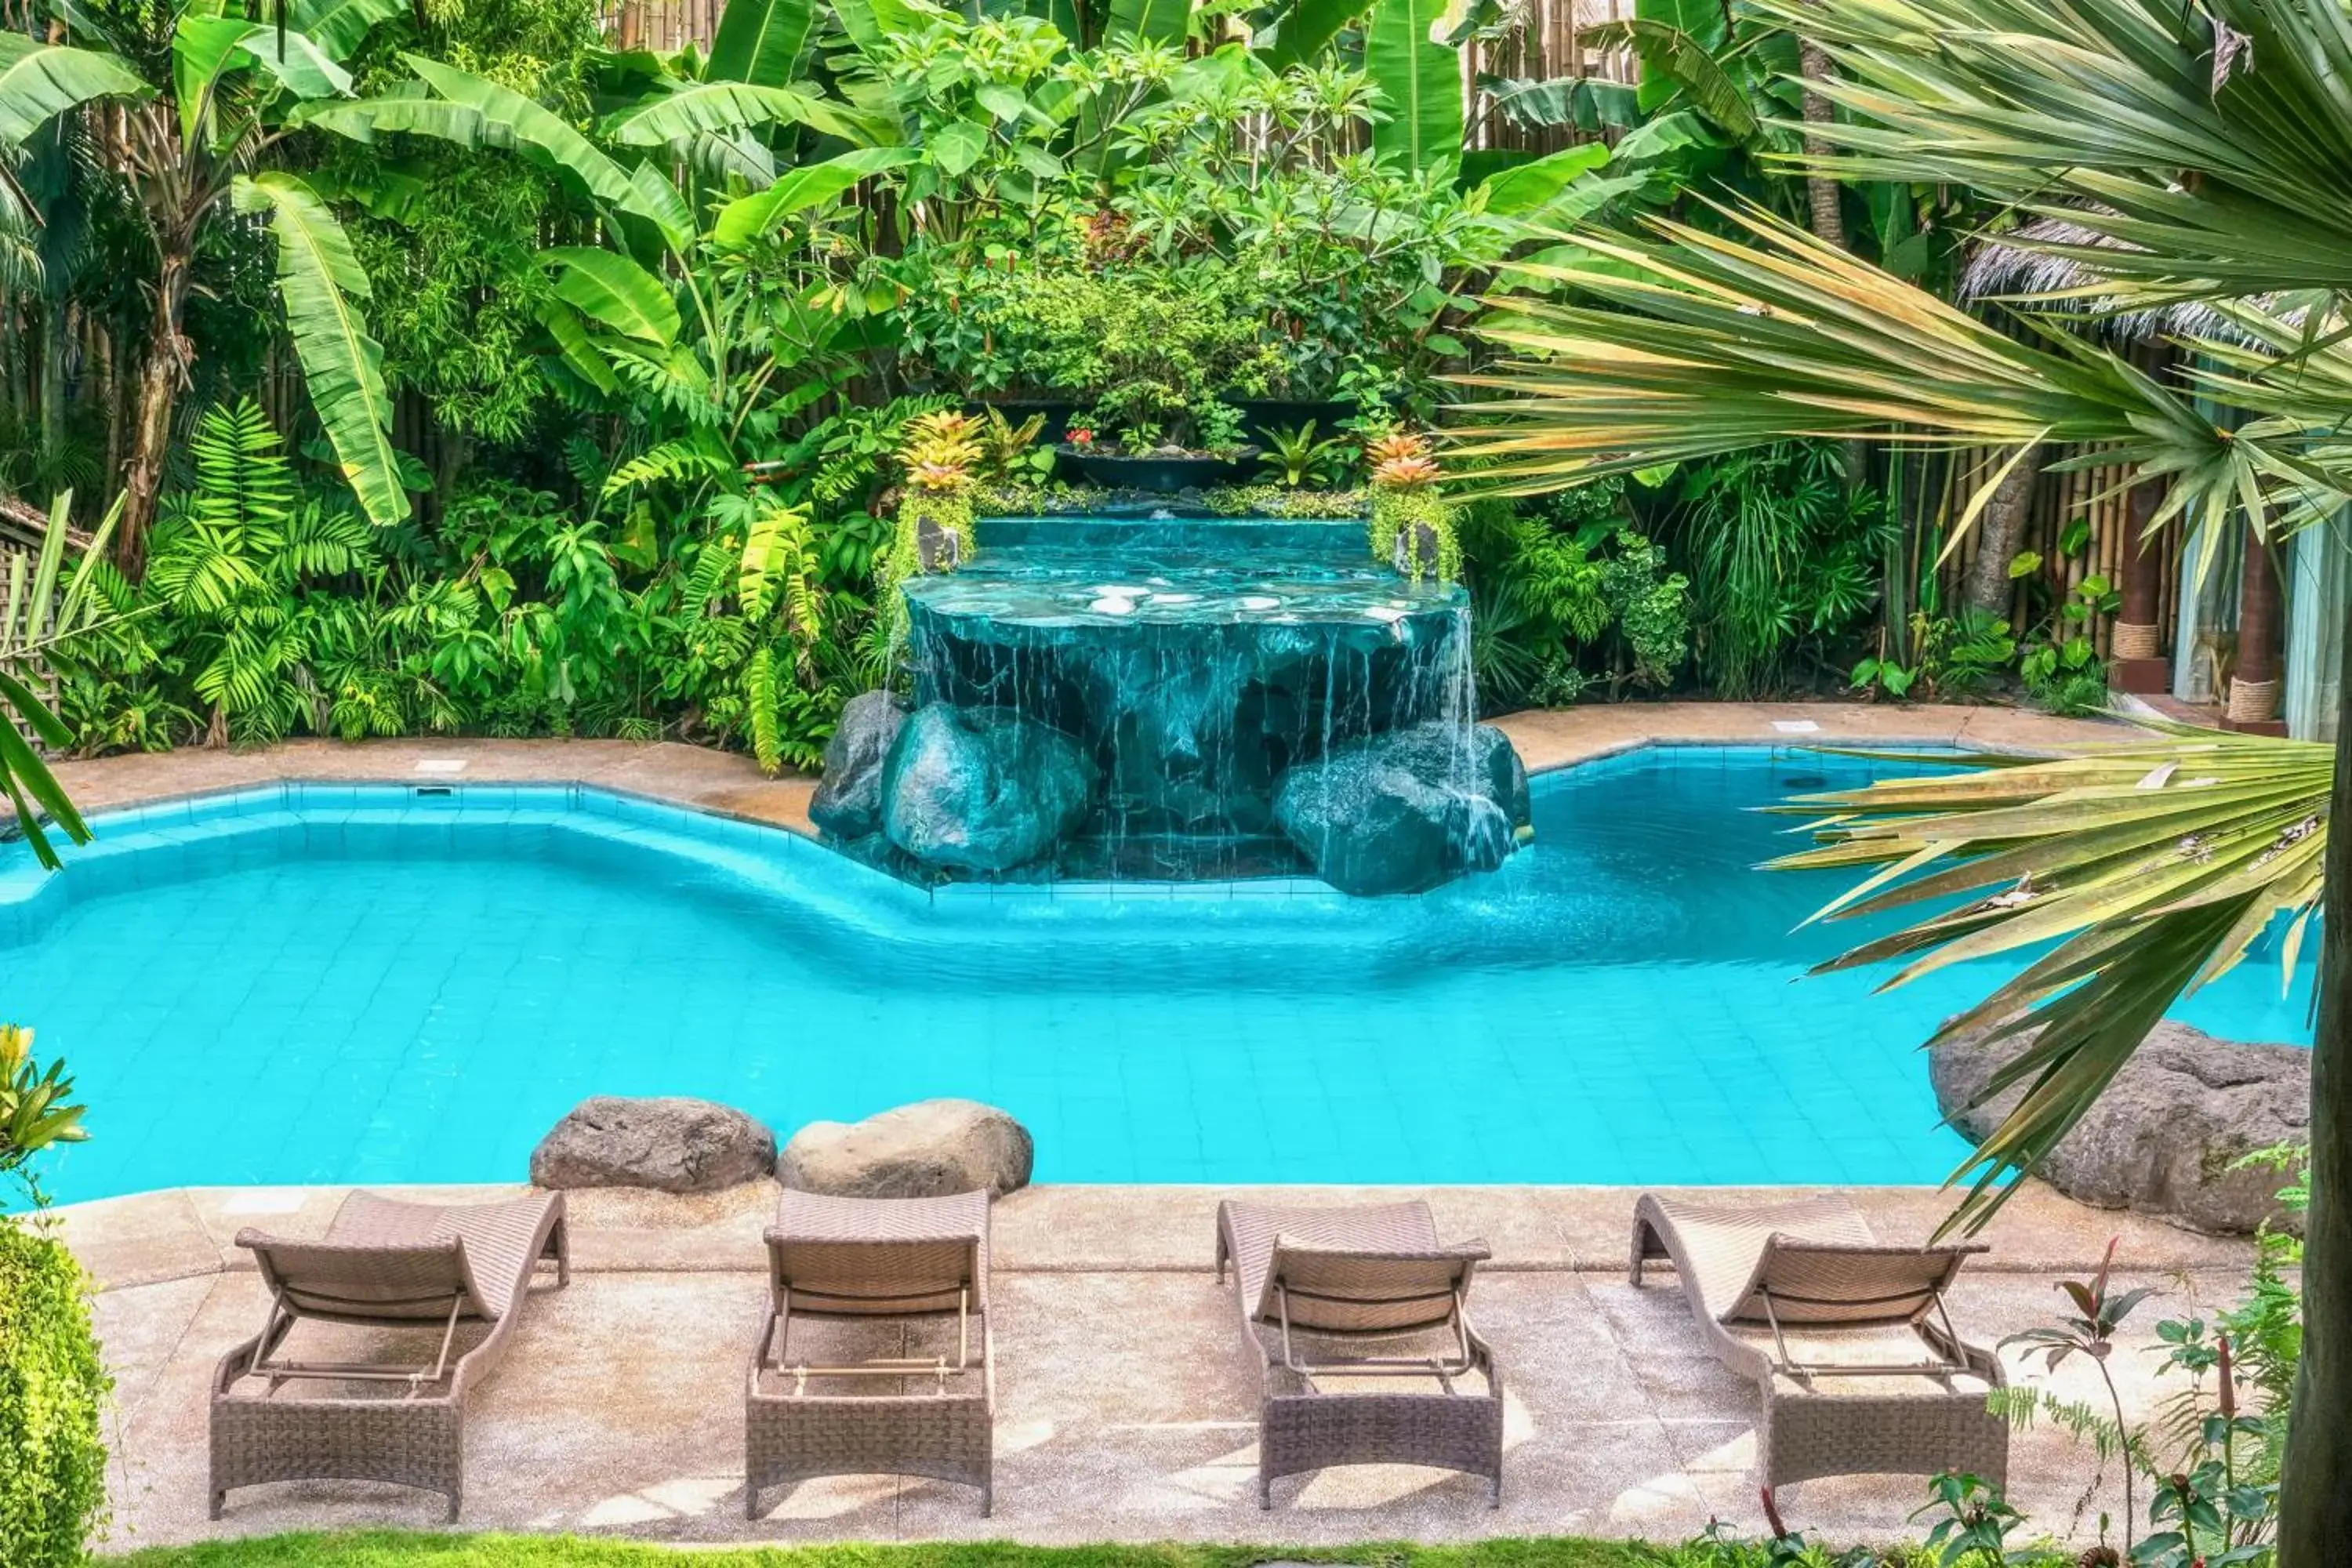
x,y
323,983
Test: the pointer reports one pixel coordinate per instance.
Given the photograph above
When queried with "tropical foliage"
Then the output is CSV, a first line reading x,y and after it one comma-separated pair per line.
x,y
2169,142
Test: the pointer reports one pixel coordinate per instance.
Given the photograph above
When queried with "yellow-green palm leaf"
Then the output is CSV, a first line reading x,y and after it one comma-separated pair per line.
x,y
2151,866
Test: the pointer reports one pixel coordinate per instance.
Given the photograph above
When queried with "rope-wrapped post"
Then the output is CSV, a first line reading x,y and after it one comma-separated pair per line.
x,y
2254,704
2254,707
2138,664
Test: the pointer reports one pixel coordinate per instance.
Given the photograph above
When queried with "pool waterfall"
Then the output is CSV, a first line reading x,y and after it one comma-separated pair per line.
x,y
1161,698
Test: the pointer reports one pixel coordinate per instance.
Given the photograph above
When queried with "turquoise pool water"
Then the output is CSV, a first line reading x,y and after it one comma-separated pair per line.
x,y
374,984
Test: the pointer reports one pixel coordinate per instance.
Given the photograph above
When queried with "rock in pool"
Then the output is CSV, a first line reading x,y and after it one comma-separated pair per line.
x,y
670,1145
848,800
2164,1136
1406,810
982,789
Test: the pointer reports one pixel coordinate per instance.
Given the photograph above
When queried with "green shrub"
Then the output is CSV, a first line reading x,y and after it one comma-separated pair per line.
x,y
52,1460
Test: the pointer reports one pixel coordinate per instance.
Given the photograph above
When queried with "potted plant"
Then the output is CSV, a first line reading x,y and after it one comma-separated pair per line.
x,y
1412,524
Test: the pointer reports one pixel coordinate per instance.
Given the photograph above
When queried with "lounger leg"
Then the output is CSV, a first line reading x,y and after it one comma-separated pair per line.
x,y
987,1499
454,1500
751,1501
219,1501
558,1246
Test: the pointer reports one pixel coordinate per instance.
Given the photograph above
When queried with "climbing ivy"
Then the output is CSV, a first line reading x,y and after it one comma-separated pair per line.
x,y
1407,511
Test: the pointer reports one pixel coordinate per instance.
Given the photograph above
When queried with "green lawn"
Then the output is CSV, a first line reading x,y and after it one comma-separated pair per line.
x,y
397,1549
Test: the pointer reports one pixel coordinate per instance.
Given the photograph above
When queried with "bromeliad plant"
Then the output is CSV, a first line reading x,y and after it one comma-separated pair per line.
x,y
940,454
1413,525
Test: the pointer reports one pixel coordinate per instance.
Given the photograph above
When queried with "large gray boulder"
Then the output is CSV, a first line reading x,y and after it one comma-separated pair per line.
x,y
1404,811
982,789
672,1145
848,800
923,1150
2162,1137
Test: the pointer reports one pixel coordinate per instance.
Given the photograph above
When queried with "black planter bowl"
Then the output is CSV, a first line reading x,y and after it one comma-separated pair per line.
x,y
1159,474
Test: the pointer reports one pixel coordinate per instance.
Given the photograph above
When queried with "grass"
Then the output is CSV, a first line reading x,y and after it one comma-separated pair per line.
x,y
393,1548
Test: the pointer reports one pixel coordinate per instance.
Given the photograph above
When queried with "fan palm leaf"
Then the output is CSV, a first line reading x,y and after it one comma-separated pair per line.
x,y
2095,110
2151,866
1698,344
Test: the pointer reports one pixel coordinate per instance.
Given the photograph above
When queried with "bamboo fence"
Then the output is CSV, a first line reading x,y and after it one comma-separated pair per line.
x,y
2094,494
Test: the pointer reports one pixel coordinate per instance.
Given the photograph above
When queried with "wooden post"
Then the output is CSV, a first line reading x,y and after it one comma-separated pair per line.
x,y
2139,665
2256,685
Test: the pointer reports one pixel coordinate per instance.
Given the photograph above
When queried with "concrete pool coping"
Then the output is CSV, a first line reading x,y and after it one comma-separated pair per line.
x,y
729,783
154,1237
1127,1403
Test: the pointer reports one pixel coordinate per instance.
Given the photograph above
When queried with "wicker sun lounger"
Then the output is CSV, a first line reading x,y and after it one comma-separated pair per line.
x,y
872,1275
1357,1316
1849,1340
441,1286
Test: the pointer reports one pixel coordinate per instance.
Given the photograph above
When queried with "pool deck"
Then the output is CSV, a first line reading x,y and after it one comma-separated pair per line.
x,y
1126,1399
731,784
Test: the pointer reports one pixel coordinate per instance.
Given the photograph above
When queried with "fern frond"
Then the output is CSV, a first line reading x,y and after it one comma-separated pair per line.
x,y
587,464
760,694
242,478
714,570
681,459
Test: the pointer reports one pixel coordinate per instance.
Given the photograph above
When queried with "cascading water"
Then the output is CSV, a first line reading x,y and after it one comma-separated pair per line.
x,y
1163,697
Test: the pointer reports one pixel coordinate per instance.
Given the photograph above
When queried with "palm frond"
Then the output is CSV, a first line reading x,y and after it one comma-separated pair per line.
x,y
1698,344
2152,866
2207,141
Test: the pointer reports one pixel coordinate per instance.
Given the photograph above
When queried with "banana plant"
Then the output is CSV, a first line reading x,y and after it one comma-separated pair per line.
x,y
706,324
206,93
1419,75
40,613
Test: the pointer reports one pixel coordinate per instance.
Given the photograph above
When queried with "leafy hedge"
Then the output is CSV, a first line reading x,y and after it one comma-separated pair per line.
x,y
52,1460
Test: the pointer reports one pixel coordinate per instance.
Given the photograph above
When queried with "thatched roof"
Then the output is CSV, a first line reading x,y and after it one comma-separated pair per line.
x,y
2025,267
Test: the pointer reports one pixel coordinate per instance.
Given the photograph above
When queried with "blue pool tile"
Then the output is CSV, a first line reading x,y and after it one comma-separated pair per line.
x,y
368,987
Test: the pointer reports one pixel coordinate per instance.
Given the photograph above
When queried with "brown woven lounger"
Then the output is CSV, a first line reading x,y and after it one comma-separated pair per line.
x,y
433,1276
879,1272
1340,1305
1849,1340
